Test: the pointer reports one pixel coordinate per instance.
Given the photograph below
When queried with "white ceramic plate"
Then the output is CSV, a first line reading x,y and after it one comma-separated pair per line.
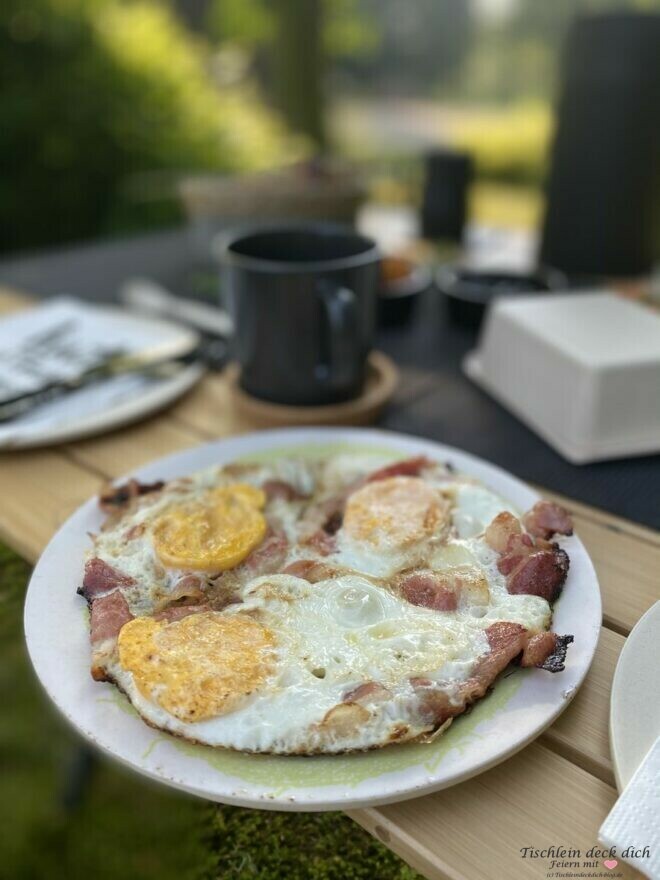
x,y
635,702
523,703
100,408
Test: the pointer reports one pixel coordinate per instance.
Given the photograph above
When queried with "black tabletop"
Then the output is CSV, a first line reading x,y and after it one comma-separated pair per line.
x,y
440,403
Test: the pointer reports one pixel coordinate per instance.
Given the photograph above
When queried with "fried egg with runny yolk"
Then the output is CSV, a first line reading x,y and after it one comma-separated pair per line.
x,y
212,533
199,667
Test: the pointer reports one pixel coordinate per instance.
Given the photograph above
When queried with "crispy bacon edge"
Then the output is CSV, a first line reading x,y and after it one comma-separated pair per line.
x,y
118,498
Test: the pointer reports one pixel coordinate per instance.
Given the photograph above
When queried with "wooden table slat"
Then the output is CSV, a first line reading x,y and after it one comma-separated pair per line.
x,y
628,572
612,522
209,409
581,732
125,451
477,829
39,492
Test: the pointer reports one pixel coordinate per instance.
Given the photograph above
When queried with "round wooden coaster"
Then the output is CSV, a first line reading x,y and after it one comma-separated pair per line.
x,y
381,383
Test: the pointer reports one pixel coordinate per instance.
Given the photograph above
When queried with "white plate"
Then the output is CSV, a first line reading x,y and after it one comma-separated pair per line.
x,y
522,705
100,408
635,702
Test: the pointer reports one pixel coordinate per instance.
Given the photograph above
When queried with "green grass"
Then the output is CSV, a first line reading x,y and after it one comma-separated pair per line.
x,y
124,827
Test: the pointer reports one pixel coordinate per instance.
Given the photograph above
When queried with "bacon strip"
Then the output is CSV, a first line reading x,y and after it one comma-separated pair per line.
x,y
117,498
434,706
556,659
322,542
409,467
108,614
542,573
546,650
268,556
546,519
532,564
368,690
501,530
430,590
309,570
280,489
101,578
190,586
507,641
321,522
178,612
518,548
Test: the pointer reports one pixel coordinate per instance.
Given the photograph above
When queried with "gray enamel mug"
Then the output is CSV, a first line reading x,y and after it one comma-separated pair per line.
x,y
303,300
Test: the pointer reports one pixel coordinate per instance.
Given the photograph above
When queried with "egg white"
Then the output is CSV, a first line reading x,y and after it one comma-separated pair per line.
x,y
331,637
474,507
336,634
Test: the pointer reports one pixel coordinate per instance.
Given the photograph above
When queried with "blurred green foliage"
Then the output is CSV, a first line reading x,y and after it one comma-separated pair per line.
x,y
348,29
122,827
260,845
96,96
509,144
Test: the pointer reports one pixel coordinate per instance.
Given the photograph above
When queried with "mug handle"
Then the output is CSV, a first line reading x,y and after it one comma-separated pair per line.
x,y
340,338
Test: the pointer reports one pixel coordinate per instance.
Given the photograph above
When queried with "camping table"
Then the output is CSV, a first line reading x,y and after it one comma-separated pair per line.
x,y
557,791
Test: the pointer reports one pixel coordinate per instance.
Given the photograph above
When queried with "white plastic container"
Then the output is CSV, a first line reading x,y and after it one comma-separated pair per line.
x,y
580,369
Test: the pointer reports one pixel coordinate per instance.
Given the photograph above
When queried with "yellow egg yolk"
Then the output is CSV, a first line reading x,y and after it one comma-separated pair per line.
x,y
199,667
397,512
213,533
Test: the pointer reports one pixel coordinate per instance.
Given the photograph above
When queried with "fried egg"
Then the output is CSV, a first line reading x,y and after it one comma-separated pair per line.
x,y
295,650
304,647
266,662
199,667
390,525
206,523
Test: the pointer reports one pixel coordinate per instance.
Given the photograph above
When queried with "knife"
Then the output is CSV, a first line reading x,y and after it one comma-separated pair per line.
x,y
211,353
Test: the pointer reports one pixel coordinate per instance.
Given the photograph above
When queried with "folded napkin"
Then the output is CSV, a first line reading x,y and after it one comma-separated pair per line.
x,y
633,825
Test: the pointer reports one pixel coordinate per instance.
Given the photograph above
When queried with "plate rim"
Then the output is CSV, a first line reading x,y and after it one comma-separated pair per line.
x,y
306,797
628,651
131,410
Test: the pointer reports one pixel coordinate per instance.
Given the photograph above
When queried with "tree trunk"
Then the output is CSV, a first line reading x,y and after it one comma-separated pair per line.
x,y
298,66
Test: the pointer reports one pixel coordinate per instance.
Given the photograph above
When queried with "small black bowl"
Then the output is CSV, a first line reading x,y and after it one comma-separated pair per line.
x,y
468,292
398,297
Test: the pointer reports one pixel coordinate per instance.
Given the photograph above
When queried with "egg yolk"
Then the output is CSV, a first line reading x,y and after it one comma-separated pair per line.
x,y
199,667
394,512
213,533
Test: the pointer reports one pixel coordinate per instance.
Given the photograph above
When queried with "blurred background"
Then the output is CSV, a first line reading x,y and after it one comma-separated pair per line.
x,y
106,104
111,114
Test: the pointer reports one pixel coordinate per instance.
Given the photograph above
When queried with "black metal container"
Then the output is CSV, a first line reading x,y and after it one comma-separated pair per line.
x,y
444,205
469,293
603,207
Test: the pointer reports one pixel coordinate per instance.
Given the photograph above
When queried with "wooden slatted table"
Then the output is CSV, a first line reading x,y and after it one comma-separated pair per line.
x,y
557,791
